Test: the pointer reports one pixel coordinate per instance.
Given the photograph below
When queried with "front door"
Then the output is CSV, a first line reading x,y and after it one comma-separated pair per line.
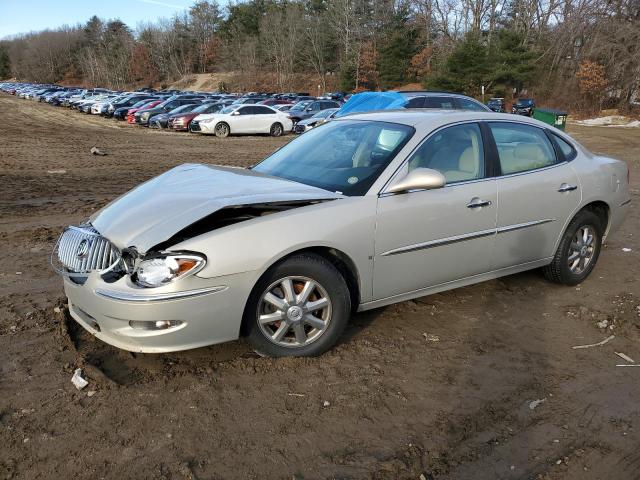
x,y
426,238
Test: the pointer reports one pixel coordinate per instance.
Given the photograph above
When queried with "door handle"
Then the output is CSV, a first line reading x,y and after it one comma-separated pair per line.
x,y
478,203
565,187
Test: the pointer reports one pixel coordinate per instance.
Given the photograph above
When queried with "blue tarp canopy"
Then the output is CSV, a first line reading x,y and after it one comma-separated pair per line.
x,y
367,101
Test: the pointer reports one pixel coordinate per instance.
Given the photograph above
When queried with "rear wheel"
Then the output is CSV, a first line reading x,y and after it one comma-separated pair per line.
x,y
300,307
222,130
276,130
578,250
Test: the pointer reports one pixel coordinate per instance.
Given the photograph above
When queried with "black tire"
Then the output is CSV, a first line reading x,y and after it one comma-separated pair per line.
x,y
559,270
276,130
320,271
222,130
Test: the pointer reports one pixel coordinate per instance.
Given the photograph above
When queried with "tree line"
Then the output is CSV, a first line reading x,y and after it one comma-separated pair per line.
x,y
574,53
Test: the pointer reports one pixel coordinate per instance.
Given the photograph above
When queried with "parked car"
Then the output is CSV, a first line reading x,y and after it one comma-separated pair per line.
x,y
285,251
161,120
308,108
283,107
142,116
183,121
246,119
121,113
318,119
442,100
131,113
523,106
496,105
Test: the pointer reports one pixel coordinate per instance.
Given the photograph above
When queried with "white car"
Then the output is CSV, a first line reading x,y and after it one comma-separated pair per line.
x,y
244,119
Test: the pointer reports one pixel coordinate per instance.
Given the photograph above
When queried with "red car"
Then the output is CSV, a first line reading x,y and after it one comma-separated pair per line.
x,y
131,113
181,121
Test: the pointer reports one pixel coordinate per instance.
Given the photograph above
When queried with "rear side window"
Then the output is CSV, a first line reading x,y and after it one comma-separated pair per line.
x,y
456,152
439,102
466,104
565,147
522,148
262,111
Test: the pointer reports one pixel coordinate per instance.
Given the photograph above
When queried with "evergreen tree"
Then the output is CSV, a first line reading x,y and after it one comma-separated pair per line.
x,y
5,64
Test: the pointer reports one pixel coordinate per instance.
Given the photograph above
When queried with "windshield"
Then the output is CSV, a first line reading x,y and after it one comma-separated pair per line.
x,y
301,105
325,113
229,109
207,108
183,108
341,156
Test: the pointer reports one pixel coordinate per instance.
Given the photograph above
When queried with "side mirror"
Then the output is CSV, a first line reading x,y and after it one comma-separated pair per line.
x,y
419,179
236,113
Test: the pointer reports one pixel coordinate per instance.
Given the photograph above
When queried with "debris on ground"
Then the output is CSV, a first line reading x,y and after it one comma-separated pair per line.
x,y
325,404
91,393
56,172
535,403
626,358
430,337
296,394
625,249
606,340
603,324
96,151
77,379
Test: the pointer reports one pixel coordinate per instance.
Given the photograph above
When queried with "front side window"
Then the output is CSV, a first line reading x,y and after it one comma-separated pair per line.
x,y
345,156
522,148
457,152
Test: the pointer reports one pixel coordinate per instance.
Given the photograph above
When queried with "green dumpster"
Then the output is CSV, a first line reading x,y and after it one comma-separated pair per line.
x,y
557,118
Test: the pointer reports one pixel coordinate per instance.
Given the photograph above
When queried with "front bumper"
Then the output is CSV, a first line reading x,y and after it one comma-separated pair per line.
x,y
210,311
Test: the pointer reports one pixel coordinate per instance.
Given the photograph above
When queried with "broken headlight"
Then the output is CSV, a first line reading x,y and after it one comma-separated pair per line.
x,y
165,268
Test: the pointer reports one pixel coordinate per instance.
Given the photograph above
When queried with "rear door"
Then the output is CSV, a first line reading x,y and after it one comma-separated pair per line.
x,y
538,191
265,117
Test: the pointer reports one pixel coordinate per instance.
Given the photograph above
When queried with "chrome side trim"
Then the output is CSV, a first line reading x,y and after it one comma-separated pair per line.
x,y
156,297
463,238
626,202
440,242
518,226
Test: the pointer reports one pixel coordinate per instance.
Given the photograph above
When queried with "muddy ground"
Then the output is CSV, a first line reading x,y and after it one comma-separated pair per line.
x,y
437,388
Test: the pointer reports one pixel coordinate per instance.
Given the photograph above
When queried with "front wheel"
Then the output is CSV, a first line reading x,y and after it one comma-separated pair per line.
x,y
222,130
578,250
300,307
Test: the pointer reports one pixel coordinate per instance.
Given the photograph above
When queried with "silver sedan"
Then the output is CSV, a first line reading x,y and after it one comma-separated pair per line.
x,y
359,213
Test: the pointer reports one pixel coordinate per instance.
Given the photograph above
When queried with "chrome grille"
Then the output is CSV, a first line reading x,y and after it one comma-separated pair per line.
x,y
81,250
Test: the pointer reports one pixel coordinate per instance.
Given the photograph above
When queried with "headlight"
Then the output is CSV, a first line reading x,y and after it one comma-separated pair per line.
x,y
166,268
145,115
206,120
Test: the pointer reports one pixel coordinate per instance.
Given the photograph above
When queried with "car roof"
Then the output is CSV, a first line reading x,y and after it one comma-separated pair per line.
x,y
434,118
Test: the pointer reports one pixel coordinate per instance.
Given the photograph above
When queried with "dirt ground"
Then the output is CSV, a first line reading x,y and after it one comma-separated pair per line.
x,y
437,388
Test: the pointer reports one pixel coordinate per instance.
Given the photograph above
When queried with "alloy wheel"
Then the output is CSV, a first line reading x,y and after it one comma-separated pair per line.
x,y
581,249
294,311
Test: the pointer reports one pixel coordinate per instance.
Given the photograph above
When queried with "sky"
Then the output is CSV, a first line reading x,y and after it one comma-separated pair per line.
x,y
22,16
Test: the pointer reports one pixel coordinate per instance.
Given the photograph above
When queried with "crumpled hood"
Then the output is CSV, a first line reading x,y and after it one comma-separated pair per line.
x,y
157,209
